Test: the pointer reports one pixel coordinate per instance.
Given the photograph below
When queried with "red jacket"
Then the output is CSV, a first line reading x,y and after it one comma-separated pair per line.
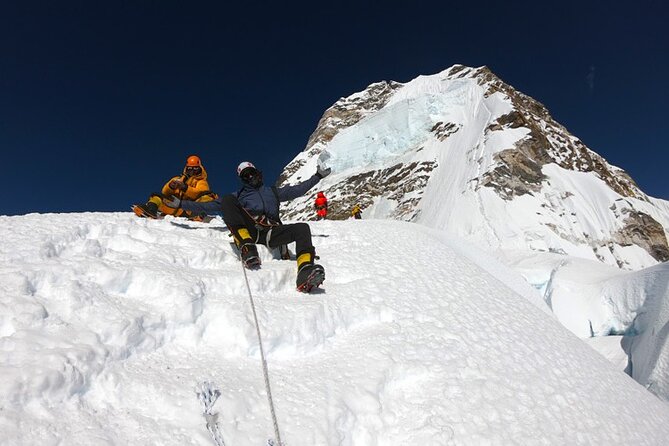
x,y
321,202
321,205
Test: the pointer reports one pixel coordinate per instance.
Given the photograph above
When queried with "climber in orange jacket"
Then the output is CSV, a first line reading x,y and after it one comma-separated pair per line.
x,y
321,205
191,185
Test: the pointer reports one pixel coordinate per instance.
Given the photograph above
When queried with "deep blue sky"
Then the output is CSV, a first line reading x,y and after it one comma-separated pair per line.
x,y
101,102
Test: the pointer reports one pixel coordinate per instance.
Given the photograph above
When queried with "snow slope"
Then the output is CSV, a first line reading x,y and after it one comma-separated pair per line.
x,y
596,301
108,322
648,344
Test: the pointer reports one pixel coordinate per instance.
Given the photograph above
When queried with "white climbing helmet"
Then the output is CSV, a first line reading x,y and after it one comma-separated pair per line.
x,y
244,165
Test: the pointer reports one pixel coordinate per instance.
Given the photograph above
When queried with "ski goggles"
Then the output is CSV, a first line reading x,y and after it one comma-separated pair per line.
x,y
193,170
249,173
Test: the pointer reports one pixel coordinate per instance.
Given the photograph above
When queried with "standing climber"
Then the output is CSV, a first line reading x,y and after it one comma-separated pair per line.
x,y
321,205
356,212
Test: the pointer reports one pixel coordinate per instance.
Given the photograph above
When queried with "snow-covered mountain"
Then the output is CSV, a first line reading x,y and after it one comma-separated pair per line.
x,y
463,151
108,323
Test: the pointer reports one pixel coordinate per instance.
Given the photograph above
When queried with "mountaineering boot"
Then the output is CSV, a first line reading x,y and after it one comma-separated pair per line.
x,y
148,210
249,254
247,249
310,276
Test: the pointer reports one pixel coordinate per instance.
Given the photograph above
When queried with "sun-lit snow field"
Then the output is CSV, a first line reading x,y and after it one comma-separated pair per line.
x,y
108,323
623,314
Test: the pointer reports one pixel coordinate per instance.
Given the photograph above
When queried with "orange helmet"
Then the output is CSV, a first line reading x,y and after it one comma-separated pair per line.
x,y
194,161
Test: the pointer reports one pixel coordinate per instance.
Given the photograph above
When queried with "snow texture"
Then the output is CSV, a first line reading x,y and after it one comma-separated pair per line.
x,y
108,323
597,301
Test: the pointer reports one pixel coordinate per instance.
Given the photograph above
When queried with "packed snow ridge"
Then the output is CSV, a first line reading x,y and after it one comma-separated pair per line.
x,y
108,323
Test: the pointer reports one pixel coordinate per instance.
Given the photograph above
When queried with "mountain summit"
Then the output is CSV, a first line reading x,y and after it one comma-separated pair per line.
x,y
463,151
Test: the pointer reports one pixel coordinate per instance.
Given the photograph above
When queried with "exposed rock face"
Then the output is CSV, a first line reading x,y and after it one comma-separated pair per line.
x,y
443,130
345,113
517,174
643,230
402,184
348,111
547,142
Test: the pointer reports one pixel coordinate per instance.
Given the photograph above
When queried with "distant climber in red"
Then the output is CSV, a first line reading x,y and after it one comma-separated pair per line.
x,y
321,205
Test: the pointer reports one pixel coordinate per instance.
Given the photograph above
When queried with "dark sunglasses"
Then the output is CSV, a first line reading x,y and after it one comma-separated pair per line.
x,y
247,174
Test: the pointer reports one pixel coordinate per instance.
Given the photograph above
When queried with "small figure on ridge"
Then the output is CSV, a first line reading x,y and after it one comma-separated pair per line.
x,y
356,212
321,205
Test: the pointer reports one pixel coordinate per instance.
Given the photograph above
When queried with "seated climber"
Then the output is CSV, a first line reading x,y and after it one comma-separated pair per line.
x,y
191,185
252,215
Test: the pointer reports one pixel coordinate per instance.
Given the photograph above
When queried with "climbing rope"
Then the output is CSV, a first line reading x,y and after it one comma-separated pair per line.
x,y
264,362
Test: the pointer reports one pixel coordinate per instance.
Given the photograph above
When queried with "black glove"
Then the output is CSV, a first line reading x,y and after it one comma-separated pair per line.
x,y
178,185
172,202
322,172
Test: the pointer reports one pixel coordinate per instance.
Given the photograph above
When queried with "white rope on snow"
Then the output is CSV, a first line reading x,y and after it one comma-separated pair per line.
x,y
264,362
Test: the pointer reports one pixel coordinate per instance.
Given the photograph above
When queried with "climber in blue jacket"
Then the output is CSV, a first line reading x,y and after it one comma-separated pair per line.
x,y
252,215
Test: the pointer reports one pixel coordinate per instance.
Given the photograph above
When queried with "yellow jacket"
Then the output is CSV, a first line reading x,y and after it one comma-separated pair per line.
x,y
198,188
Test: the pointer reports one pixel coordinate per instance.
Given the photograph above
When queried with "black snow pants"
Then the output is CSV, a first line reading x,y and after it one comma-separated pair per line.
x,y
236,218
